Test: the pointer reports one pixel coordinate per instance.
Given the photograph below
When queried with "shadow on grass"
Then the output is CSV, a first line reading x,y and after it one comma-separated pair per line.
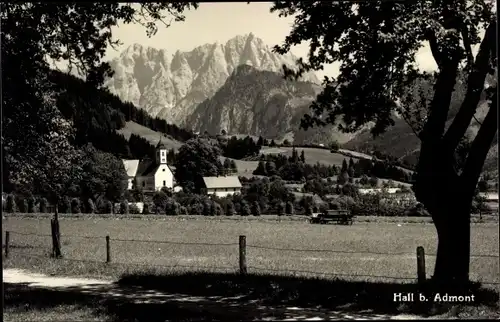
x,y
230,297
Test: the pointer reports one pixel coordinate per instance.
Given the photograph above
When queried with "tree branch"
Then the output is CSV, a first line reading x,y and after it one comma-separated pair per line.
x,y
468,47
475,85
480,147
434,48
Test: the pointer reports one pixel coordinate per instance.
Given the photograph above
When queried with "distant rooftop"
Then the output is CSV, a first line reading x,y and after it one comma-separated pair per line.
x,y
222,182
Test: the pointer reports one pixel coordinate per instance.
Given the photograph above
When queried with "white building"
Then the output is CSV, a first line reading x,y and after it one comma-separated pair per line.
x,y
222,186
364,191
150,175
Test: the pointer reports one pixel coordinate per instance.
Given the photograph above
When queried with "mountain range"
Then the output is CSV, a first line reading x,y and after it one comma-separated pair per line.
x,y
171,86
239,87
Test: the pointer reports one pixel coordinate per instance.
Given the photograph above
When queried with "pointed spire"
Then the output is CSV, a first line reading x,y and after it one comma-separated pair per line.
x,y
160,144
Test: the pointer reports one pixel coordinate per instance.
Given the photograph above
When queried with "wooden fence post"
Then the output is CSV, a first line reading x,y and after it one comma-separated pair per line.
x,y
7,238
56,238
243,255
421,265
108,250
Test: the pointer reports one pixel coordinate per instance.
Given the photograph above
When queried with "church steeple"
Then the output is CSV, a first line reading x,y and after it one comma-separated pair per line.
x,y
161,152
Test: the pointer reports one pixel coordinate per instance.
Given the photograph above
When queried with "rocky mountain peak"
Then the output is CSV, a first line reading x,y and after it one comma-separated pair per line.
x,y
170,86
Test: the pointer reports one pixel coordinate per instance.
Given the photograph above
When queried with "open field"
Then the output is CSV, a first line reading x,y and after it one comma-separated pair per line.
x,y
152,136
374,249
245,168
313,155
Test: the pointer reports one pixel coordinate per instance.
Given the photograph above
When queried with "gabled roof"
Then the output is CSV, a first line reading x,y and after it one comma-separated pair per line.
x,y
141,168
131,167
222,182
147,167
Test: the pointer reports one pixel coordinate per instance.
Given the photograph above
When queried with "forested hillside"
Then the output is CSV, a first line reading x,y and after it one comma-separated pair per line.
x,y
96,114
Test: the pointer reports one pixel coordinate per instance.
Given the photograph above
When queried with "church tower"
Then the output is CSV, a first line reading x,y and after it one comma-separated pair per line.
x,y
161,153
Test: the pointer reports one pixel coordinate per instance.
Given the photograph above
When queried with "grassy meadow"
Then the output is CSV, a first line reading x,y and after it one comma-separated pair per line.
x,y
313,155
365,248
152,136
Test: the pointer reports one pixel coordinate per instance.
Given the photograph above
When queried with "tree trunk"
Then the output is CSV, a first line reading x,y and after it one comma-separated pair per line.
x,y
451,271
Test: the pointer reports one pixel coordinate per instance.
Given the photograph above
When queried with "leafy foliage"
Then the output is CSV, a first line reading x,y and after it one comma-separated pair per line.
x,y
376,43
103,175
196,159
239,148
37,140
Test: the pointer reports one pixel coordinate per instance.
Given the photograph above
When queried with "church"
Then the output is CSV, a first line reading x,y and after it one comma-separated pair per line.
x,y
150,175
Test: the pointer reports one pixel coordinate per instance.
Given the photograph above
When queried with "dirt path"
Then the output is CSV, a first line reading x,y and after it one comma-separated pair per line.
x,y
222,308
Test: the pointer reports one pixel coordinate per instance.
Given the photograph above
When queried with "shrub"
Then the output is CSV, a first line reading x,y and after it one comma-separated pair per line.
x,y
196,209
101,206
146,209
315,209
133,209
417,211
11,204
167,191
183,211
373,209
245,209
160,199
75,206
172,207
255,208
219,211
43,205
281,209
90,206
108,208
346,202
24,205
31,204
230,211
124,207
65,206
308,210
208,208
289,208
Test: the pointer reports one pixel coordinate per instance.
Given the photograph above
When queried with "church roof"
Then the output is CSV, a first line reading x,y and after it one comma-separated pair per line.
x,y
146,167
131,167
141,168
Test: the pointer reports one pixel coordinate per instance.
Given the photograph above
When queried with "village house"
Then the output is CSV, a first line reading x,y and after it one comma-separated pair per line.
x,y
222,186
150,175
392,196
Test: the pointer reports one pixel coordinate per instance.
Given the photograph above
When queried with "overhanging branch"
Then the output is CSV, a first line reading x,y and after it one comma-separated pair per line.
x,y
480,147
475,85
468,47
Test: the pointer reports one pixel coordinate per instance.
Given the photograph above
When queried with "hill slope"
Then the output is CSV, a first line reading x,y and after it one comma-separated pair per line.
x,y
400,141
254,102
152,136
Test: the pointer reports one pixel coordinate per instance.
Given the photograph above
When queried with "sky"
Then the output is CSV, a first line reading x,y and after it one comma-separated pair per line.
x,y
213,22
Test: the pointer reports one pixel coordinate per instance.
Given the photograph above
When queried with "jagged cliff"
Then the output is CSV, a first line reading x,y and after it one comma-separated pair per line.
x,y
254,102
171,86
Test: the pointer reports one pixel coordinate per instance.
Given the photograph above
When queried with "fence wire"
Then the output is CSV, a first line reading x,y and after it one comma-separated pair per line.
x,y
312,250
234,269
12,248
128,263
